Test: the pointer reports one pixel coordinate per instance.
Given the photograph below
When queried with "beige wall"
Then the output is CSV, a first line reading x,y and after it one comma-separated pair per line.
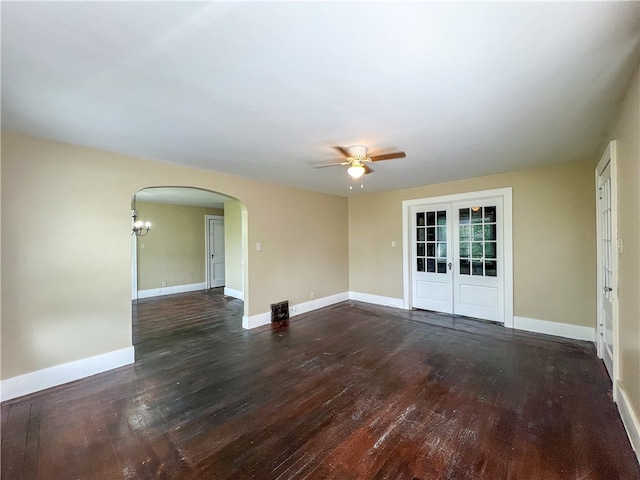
x,y
66,250
174,250
553,238
68,296
233,245
626,132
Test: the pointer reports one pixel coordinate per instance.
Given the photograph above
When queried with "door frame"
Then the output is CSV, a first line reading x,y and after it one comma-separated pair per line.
x,y
207,253
608,157
507,213
134,262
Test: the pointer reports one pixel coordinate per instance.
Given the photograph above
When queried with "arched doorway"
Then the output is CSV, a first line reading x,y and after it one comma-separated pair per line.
x,y
177,254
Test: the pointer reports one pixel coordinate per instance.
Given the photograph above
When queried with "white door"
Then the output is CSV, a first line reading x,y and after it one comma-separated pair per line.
x,y
216,252
478,267
431,258
606,278
457,256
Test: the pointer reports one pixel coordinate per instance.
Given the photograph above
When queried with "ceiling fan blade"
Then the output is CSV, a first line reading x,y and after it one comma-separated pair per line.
x,y
342,151
387,156
331,164
367,169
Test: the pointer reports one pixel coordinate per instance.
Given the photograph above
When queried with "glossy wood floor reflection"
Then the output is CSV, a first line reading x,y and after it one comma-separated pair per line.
x,y
352,391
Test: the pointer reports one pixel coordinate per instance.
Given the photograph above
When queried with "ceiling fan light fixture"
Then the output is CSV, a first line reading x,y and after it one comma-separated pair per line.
x,y
356,171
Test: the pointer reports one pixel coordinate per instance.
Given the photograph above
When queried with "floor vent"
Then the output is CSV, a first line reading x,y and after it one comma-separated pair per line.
x,y
280,311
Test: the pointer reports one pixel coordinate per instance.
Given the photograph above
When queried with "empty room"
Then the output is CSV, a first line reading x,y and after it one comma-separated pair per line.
x,y
320,240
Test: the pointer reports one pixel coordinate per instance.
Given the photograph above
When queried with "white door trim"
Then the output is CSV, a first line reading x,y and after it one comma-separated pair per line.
x,y
207,253
507,209
134,263
609,157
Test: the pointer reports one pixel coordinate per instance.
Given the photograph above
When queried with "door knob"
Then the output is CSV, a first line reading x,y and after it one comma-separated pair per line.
x,y
450,265
607,289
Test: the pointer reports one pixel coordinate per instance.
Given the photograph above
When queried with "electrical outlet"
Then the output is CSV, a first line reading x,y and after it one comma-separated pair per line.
x,y
164,284
313,295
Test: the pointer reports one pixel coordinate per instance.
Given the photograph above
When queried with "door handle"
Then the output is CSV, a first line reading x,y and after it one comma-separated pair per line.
x,y
607,289
450,265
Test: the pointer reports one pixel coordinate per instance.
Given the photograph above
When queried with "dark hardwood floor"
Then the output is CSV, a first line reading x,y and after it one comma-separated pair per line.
x,y
352,391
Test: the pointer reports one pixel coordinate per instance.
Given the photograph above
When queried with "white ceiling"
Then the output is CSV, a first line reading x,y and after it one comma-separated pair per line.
x,y
263,90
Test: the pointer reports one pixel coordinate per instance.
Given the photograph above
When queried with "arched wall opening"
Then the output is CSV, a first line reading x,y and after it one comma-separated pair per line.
x,y
179,253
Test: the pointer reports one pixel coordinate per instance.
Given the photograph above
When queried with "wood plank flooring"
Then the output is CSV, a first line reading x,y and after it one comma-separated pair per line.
x,y
352,391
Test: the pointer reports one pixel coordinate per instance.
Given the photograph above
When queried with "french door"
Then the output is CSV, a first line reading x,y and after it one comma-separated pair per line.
x,y
432,263
607,260
457,255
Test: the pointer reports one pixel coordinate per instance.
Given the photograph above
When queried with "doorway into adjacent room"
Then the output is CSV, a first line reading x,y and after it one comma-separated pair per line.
x,y
196,245
215,256
607,260
458,255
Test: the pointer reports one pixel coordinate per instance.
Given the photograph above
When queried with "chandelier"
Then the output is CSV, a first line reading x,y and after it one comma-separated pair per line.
x,y
140,228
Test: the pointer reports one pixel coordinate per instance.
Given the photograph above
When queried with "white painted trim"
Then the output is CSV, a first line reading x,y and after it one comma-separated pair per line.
x,y
566,330
576,332
406,255
231,292
300,308
311,305
294,310
158,292
629,418
507,211
134,263
245,257
507,229
256,320
67,372
609,156
207,253
377,299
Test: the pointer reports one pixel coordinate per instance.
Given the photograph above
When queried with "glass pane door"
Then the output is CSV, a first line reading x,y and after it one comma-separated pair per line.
x,y
478,241
457,259
478,279
431,241
431,249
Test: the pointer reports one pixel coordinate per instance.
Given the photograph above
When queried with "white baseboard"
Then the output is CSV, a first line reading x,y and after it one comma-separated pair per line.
x,y
377,299
298,309
68,372
231,292
566,330
256,320
157,292
629,419
317,303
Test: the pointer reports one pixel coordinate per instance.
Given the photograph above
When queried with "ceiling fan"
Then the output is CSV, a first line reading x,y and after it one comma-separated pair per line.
x,y
357,157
